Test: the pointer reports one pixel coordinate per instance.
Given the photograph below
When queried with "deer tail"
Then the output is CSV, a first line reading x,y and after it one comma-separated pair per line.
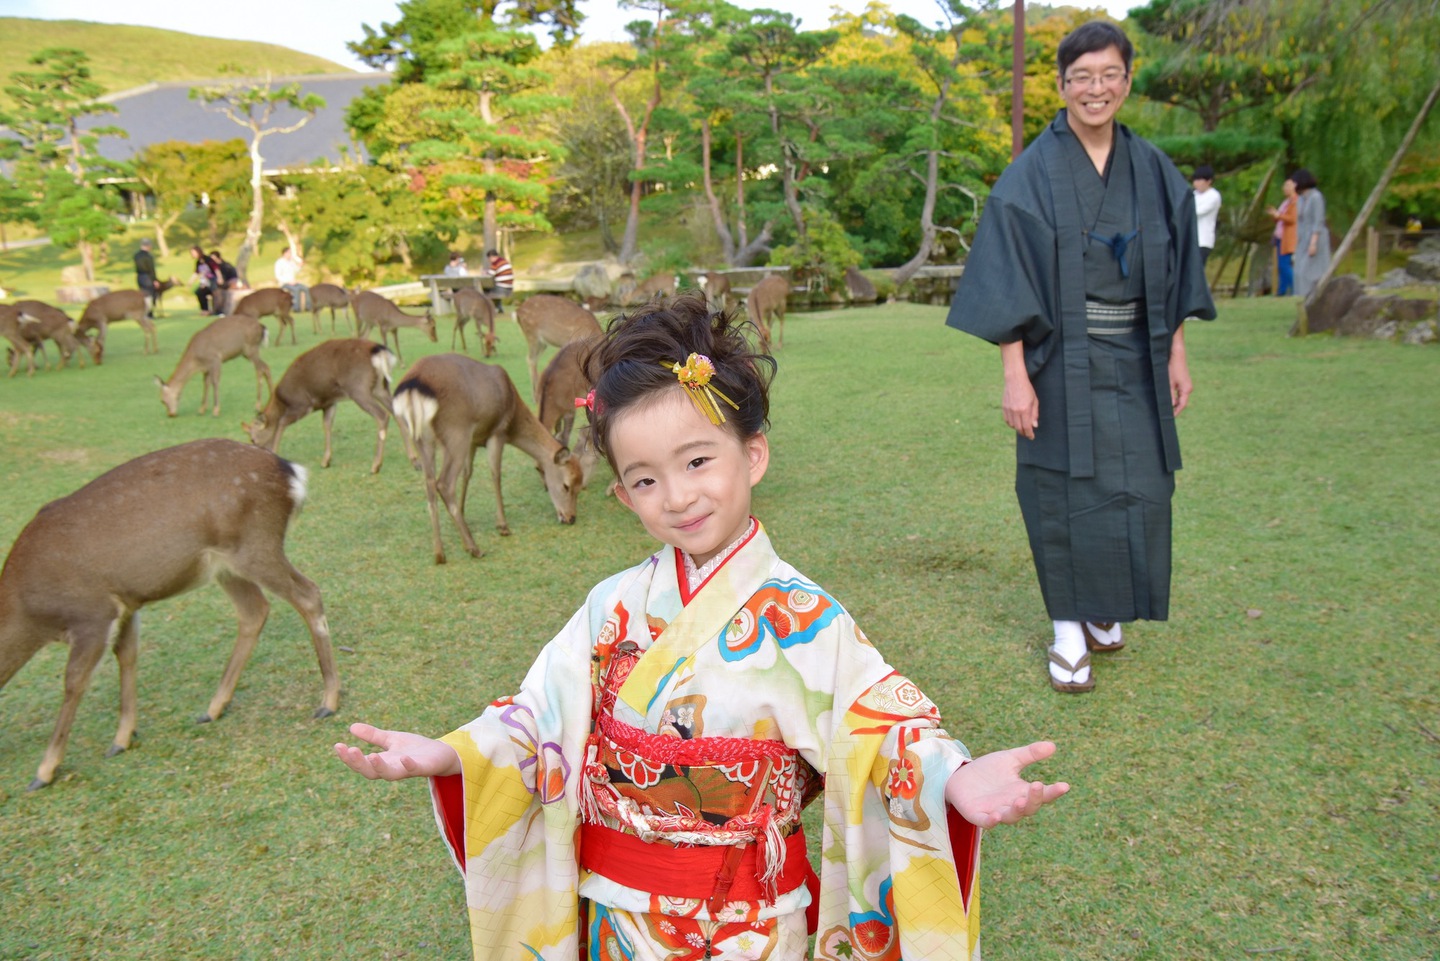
x,y
383,360
415,406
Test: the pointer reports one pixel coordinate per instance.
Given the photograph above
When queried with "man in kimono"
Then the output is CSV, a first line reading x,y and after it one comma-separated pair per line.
x,y
1084,268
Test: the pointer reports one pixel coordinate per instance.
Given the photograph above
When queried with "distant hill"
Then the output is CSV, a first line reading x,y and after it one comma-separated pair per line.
x,y
123,56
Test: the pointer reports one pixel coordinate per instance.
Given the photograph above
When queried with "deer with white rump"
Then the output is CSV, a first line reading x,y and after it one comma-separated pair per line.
x,y
212,345
106,309
547,319
318,380
373,310
271,301
161,524
459,404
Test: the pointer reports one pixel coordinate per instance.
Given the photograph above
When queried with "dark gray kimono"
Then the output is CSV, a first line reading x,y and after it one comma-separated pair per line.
x,y
1095,483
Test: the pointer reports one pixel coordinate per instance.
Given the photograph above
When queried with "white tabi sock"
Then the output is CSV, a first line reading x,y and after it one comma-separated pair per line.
x,y
1069,644
1107,638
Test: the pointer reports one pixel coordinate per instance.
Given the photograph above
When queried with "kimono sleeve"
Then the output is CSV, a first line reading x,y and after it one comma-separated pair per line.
x,y
898,866
1006,293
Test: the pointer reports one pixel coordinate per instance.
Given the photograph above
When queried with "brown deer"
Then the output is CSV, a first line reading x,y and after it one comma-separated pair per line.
x,y
106,309
332,296
40,322
267,302
317,380
373,310
161,524
547,319
459,404
212,345
562,383
157,308
656,285
20,346
473,305
716,287
765,301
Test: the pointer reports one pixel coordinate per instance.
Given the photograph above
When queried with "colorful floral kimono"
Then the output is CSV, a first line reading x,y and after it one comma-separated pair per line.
x,y
639,798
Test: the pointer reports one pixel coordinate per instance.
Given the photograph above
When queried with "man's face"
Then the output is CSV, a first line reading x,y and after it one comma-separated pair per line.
x,y
1095,87
1201,184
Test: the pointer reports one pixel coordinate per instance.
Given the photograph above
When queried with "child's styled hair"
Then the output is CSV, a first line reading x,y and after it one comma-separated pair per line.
x,y
635,360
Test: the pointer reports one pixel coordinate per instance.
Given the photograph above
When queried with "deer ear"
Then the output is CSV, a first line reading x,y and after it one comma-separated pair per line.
x,y
561,455
158,382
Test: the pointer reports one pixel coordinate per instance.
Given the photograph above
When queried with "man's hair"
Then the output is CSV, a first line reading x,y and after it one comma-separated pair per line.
x,y
492,253
1304,179
1203,172
145,243
1093,37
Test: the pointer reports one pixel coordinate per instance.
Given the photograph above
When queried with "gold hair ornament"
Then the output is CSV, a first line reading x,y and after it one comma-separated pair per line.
x,y
694,376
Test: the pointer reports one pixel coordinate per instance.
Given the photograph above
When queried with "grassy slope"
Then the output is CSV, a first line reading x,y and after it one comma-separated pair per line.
x,y
1258,776
124,56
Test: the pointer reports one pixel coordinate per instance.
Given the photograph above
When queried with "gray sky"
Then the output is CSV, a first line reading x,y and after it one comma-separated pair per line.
x,y
322,27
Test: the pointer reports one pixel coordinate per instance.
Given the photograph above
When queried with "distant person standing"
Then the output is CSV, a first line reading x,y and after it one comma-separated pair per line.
x,y
1286,215
1312,234
145,276
207,280
1207,208
227,280
287,275
504,276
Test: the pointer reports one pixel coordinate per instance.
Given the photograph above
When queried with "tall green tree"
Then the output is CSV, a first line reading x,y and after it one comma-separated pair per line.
x,y
59,168
178,175
258,108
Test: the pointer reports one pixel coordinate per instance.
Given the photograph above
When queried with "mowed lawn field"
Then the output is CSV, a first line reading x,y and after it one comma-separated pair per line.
x,y
1258,777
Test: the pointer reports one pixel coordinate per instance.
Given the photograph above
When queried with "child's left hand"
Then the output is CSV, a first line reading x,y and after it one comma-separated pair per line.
x,y
989,790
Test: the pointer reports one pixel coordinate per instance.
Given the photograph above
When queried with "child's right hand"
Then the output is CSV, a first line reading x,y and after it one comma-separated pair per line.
x,y
403,755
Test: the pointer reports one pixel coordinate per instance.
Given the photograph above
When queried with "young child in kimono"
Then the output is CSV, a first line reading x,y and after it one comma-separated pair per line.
x,y
640,797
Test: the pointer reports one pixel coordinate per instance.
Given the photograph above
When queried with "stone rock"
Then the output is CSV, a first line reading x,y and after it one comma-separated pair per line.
x,y
1421,333
1365,315
73,276
1411,309
858,286
1386,331
1425,266
1429,245
592,281
1398,277
1334,303
79,293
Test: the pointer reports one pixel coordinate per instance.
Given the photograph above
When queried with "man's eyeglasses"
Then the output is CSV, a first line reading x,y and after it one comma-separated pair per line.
x,y
1110,78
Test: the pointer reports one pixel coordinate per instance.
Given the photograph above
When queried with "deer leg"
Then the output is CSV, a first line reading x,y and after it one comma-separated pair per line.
x,y
534,359
567,424
459,330
87,642
315,320
214,378
127,647
328,418
262,369
425,460
380,410
251,611
274,572
152,342
495,447
454,481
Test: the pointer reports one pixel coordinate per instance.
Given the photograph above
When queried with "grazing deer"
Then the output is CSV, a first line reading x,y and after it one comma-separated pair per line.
x,y
317,380
270,301
373,310
656,285
157,307
212,345
474,306
106,309
547,319
716,287
459,404
562,383
766,300
332,296
20,346
40,322
152,528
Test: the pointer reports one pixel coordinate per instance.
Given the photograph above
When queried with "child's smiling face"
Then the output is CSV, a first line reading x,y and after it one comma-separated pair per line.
x,y
687,479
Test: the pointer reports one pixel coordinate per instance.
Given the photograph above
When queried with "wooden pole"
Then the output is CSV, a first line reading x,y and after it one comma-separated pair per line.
x,y
1372,254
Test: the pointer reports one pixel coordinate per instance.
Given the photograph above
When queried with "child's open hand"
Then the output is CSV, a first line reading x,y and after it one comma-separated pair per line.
x,y
990,791
403,755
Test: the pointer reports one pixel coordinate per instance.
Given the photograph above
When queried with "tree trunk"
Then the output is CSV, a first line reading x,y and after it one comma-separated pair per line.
x,y
87,259
489,227
160,227
257,206
741,240
727,242
1302,322
746,255
927,221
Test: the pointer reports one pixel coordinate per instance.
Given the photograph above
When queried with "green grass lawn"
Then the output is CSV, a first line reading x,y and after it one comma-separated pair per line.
x,y
1255,778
